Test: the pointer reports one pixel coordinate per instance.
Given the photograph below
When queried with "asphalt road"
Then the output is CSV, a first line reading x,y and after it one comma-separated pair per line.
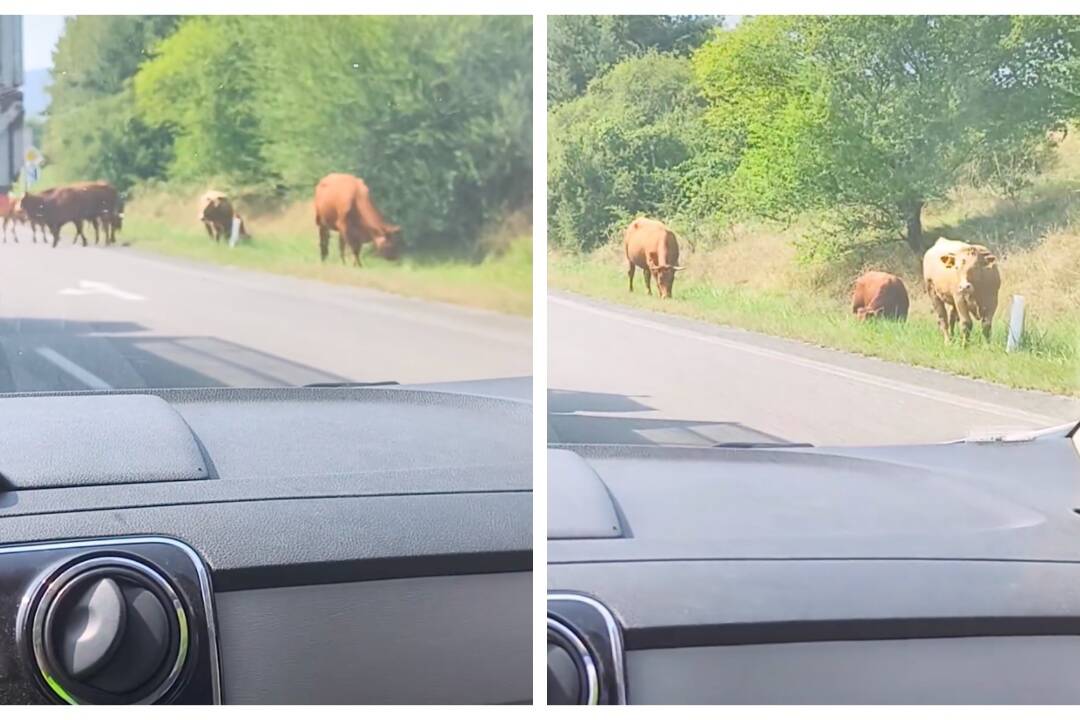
x,y
76,318
620,375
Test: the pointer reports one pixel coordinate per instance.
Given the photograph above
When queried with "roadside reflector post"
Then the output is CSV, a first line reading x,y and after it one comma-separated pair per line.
x,y
1016,324
234,236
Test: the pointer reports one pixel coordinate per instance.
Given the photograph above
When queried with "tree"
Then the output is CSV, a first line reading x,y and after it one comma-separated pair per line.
x,y
199,87
582,47
620,149
868,118
92,130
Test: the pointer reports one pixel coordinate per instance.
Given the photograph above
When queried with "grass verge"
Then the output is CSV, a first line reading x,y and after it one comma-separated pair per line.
x,y
1048,361
286,243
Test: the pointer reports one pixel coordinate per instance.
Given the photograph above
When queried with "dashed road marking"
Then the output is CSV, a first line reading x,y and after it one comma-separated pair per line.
x,y
73,369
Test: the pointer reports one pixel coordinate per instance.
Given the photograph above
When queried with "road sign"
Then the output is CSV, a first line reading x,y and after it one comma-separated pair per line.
x,y
30,174
33,156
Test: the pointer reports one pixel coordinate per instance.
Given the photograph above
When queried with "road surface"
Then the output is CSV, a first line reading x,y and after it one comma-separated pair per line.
x,y
621,375
76,318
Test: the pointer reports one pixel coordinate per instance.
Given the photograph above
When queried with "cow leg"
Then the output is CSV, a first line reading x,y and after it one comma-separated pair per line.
x,y
965,322
341,247
942,315
97,236
630,274
324,242
56,235
647,276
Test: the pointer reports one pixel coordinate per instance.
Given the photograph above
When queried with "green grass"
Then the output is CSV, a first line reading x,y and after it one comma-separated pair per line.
x,y
287,243
1047,362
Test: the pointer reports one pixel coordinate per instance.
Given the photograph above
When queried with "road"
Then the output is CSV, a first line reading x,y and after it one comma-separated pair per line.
x,y
78,318
621,375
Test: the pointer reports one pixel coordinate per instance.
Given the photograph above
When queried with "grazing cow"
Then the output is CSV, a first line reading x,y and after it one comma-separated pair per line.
x,y
649,245
879,294
962,281
343,204
216,213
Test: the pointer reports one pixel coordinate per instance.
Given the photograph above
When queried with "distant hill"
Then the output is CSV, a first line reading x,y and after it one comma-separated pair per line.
x,y
35,99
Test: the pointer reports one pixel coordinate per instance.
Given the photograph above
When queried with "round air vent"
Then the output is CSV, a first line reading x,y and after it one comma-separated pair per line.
x,y
109,630
572,678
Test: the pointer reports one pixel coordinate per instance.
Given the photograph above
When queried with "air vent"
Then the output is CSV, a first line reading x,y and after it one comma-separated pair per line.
x,y
572,677
109,630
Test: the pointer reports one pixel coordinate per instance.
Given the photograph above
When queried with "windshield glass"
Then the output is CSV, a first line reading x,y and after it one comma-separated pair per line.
x,y
264,201
837,230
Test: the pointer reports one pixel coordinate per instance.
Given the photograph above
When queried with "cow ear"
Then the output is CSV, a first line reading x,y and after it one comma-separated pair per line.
x,y
989,260
948,260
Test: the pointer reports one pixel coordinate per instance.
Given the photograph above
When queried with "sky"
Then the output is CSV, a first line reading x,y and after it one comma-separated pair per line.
x,y
40,33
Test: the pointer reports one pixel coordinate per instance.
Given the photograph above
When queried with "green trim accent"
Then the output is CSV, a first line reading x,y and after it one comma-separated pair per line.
x,y
59,690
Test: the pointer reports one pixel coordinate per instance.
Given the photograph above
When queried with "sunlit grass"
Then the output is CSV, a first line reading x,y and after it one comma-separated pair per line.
x,y
287,243
1048,361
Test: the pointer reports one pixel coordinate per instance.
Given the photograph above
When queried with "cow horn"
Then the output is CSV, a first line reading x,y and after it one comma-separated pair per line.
x,y
679,267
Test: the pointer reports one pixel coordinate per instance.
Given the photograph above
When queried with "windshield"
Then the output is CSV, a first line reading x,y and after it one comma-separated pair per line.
x,y
264,201
837,230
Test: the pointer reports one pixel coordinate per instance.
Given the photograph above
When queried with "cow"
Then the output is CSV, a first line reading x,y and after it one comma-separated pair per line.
x,y
216,213
8,216
104,208
649,245
963,282
79,203
343,204
879,294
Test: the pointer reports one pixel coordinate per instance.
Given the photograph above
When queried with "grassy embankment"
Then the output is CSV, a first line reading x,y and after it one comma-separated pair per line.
x,y
751,280
285,241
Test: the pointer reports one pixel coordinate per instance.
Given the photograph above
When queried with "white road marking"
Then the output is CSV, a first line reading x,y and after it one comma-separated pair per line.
x,y
93,287
76,371
855,375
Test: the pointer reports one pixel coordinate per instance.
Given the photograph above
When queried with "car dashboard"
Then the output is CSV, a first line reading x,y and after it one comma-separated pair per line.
x,y
933,574
298,545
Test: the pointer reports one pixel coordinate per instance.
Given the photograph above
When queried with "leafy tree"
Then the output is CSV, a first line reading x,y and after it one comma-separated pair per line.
x,y
92,131
868,118
621,149
199,87
582,47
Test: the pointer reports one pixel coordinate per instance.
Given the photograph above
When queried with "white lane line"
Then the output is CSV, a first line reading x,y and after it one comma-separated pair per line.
x,y
76,371
93,287
855,375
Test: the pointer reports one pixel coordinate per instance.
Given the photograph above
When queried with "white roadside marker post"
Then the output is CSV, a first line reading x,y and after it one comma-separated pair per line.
x,y
234,236
1016,324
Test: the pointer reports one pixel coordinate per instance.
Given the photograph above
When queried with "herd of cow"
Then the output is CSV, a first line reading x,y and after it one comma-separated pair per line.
x,y
343,205
96,203
962,280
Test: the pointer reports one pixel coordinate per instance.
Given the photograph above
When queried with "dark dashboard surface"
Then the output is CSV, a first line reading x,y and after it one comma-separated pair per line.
x,y
415,503
718,561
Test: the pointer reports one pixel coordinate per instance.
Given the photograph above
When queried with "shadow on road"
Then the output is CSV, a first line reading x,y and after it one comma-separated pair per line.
x,y
573,418
38,355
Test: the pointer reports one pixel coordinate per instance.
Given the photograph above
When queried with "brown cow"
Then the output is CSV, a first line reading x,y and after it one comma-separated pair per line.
x,y
649,245
879,294
343,204
962,281
78,203
216,213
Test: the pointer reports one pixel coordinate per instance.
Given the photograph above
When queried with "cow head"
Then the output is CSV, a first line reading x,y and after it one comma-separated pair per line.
x,y
664,275
390,243
967,264
33,206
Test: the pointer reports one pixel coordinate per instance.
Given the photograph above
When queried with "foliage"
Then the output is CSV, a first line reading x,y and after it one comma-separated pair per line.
x,y
621,149
582,47
92,131
868,118
433,112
